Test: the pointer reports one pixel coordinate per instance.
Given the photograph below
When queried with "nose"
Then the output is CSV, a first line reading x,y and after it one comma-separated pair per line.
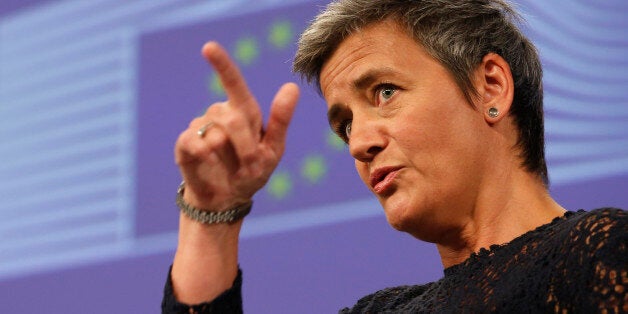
x,y
367,139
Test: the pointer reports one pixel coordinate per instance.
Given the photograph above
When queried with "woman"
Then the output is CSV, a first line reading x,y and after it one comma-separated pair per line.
x,y
440,103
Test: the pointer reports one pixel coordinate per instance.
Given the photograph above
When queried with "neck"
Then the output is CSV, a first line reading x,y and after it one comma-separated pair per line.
x,y
511,206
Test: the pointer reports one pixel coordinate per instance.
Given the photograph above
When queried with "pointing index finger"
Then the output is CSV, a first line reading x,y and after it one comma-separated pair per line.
x,y
232,81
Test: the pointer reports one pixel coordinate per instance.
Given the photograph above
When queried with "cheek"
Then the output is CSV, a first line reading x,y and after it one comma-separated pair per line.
x,y
430,146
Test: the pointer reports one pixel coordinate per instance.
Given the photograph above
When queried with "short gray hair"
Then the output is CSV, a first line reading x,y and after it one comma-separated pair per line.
x,y
457,33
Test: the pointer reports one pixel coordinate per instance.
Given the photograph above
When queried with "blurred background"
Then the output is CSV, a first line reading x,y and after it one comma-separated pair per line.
x,y
93,95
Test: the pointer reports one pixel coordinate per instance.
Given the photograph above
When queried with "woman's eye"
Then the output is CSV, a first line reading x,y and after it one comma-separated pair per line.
x,y
347,129
385,93
344,130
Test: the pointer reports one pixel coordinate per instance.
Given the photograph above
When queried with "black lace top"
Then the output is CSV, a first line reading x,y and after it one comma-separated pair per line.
x,y
578,263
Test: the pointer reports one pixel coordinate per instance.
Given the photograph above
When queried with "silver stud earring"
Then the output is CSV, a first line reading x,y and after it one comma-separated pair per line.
x,y
493,112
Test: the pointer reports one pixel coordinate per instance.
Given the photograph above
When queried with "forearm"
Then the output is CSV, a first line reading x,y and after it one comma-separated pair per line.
x,y
206,261
225,157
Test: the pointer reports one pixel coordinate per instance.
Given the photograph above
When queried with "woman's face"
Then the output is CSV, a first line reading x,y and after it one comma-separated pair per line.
x,y
418,144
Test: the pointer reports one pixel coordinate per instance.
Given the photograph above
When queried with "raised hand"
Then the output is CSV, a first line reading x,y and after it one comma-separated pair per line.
x,y
227,155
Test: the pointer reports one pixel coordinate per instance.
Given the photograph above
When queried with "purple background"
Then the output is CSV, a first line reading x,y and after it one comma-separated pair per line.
x,y
317,269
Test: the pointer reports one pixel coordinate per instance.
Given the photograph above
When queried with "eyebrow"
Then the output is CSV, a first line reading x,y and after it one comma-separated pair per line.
x,y
361,83
370,76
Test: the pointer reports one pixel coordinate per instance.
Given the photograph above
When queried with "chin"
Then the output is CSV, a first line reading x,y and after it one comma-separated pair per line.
x,y
397,224
398,218
419,225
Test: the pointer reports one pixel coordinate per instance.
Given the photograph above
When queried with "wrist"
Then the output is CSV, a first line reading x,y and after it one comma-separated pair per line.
x,y
231,213
215,244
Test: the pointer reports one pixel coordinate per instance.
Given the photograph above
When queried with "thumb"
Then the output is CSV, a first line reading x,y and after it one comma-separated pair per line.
x,y
281,111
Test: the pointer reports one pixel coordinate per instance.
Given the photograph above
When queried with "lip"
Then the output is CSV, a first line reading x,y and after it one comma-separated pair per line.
x,y
382,178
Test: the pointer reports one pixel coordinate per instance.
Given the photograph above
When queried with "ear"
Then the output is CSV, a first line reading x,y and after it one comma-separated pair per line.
x,y
495,86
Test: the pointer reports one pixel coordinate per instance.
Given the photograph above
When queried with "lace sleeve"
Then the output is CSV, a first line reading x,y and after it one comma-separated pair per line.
x,y
598,263
608,286
229,301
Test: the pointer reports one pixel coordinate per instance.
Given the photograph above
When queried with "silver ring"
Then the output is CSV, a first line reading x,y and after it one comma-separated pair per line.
x,y
201,132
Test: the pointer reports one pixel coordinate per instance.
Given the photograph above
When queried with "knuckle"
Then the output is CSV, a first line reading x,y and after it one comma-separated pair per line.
x,y
196,123
196,150
216,139
215,109
233,122
184,142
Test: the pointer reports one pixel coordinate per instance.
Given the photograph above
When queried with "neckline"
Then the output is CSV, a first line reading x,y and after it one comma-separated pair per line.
x,y
484,252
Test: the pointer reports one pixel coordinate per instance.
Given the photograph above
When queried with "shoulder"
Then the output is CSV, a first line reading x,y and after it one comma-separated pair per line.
x,y
600,226
602,218
594,260
387,299
607,234
595,234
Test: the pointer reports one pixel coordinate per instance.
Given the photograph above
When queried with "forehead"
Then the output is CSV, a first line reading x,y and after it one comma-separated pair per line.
x,y
382,47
